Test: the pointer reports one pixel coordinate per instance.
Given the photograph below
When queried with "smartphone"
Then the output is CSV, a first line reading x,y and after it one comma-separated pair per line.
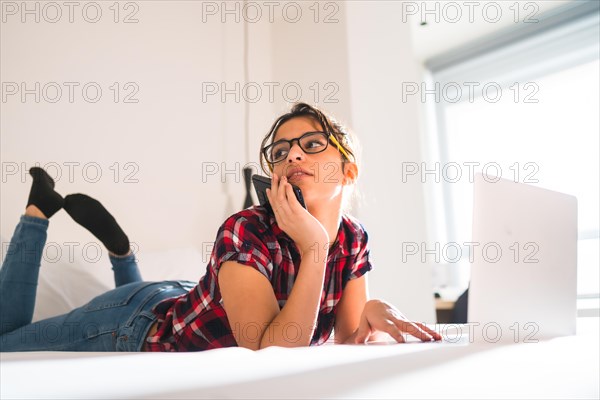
x,y
262,183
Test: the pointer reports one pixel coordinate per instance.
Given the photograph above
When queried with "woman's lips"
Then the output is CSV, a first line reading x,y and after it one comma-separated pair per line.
x,y
297,176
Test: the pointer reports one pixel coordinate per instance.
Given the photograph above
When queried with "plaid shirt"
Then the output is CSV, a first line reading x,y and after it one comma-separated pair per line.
x,y
197,320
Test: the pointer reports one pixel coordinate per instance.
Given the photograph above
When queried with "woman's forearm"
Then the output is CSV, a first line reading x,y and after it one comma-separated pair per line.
x,y
295,324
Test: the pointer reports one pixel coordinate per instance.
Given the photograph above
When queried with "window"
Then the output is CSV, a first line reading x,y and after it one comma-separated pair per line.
x,y
526,110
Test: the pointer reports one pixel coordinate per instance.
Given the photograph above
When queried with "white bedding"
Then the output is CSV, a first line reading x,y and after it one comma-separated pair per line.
x,y
558,368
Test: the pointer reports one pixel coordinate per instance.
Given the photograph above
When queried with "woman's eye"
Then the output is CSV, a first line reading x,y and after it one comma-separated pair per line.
x,y
314,144
279,153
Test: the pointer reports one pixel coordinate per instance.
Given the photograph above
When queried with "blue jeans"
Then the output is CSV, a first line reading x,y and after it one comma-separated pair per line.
x,y
117,320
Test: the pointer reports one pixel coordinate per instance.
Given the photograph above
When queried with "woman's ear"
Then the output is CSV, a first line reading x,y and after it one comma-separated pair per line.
x,y
350,173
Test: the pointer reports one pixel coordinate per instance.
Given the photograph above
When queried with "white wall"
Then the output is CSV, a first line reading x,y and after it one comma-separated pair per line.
x,y
166,135
381,57
170,53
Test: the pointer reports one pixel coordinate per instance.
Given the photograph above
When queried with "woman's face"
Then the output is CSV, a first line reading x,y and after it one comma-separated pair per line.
x,y
322,178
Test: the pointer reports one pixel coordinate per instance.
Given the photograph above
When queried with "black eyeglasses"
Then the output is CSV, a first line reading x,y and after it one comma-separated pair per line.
x,y
310,143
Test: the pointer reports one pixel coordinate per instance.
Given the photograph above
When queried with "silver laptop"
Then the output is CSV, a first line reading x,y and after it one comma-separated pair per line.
x,y
524,267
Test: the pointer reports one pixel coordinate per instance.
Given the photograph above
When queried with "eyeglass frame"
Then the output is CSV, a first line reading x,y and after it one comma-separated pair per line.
x,y
328,136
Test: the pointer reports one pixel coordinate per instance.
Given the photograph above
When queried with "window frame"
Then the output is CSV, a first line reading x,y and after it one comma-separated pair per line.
x,y
564,37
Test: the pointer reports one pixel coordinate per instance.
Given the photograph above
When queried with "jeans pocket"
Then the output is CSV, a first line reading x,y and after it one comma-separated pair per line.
x,y
118,297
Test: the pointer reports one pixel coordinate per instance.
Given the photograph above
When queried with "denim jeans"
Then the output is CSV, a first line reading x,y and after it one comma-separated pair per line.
x,y
117,320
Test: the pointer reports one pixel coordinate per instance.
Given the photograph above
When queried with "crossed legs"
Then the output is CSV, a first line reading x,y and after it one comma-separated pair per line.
x,y
20,269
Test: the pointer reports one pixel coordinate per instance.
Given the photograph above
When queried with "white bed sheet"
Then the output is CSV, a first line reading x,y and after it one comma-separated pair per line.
x,y
565,367
559,368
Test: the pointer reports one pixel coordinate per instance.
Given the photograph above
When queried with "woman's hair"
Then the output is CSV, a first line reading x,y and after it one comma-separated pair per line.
x,y
329,124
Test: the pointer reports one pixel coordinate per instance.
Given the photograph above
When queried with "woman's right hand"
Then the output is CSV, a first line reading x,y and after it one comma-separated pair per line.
x,y
304,229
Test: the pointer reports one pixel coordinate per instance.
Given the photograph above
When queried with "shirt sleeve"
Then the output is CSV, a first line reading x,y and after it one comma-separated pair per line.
x,y
239,240
362,263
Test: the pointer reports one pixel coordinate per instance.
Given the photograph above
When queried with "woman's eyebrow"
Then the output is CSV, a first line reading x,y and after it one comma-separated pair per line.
x,y
276,140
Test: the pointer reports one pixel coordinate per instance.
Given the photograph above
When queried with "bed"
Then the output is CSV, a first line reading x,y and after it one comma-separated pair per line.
x,y
458,367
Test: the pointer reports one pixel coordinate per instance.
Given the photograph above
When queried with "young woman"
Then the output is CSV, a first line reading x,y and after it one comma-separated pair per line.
x,y
286,278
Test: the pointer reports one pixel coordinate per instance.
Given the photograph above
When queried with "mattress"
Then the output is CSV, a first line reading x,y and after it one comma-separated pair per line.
x,y
457,367
564,367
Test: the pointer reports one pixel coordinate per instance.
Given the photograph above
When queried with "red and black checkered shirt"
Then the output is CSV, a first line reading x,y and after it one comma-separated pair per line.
x,y
197,320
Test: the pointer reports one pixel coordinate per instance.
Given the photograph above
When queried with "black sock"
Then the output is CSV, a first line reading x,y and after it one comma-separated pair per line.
x,y
42,194
92,215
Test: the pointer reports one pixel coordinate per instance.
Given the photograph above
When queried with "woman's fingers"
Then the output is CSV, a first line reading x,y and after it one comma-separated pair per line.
x,y
363,333
291,198
384,317
286,196
414,330
278,196
391,329
433,333
272,193
281,188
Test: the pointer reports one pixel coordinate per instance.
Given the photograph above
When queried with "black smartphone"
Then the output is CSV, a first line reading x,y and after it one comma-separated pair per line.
x,y
262,183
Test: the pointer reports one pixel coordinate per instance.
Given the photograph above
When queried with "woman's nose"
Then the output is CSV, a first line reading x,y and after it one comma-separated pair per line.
x,y
295,153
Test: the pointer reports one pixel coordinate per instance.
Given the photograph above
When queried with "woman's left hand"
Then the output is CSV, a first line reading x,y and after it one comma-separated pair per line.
x,y
380,316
